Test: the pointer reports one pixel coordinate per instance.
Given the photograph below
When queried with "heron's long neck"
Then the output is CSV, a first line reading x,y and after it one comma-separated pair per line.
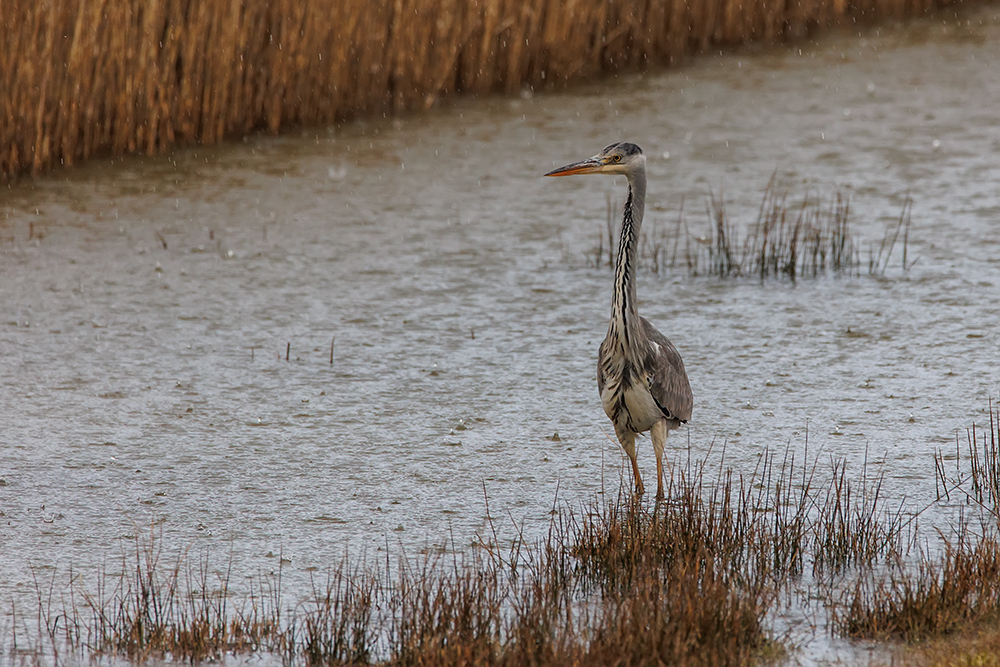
x,y
624,315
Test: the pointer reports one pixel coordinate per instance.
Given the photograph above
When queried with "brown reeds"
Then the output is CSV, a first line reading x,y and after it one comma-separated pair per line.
x,y
855,527
753,526
807,240
527,606
689,581
180,609
933,597
956,588
81,77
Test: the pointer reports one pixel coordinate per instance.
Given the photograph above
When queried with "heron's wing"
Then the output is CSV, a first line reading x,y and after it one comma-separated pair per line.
x,y
668,384
601,351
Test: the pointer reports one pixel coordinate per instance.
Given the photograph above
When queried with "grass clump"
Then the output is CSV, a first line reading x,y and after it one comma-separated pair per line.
x,y
609,585
936,597
976,474
807,240
752,526
335,625
956,590
855,528
977,646
945,609
789,241
179,609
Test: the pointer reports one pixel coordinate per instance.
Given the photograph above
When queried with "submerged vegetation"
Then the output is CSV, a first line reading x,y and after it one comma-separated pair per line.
x,y
973,474
786,240
83,78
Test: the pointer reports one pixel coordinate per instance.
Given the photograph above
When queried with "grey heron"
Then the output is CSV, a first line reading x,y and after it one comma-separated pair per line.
x,y
640,374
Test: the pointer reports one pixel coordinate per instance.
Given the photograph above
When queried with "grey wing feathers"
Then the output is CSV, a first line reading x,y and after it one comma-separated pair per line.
x,y
669,384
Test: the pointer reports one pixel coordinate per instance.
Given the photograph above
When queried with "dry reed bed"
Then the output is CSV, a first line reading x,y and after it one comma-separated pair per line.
x,y
87,77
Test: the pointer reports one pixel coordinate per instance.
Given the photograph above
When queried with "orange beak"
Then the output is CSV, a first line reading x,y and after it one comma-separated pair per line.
x,y
588,166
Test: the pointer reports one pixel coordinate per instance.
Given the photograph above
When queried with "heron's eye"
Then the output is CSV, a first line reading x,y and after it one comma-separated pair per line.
x,y
618,158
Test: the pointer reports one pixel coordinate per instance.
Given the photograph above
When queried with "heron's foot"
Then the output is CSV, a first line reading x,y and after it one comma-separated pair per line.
x,y
639,488
659,494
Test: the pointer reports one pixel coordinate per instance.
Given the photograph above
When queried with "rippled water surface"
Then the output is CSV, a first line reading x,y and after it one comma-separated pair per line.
x,y
147,308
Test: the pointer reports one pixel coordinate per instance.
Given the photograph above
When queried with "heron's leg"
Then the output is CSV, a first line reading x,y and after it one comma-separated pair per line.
x,y
658,434
628,444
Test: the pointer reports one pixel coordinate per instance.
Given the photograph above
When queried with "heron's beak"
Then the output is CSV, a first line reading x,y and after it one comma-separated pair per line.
x,y
588,166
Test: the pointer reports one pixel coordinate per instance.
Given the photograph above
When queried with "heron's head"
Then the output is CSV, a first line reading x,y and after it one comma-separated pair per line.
x,y
621,158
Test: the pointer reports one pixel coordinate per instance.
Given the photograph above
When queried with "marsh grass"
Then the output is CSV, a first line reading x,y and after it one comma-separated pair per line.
x,y
975,646
856,528
955,588
752,525
688,581
934,597
787,240
153,608
974,474
790,241
83,77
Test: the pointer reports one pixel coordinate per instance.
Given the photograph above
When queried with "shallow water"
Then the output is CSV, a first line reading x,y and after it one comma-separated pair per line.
x,y
147,306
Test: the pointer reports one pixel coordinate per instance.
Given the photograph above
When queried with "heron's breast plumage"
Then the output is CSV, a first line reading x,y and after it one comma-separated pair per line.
x,y
624,388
